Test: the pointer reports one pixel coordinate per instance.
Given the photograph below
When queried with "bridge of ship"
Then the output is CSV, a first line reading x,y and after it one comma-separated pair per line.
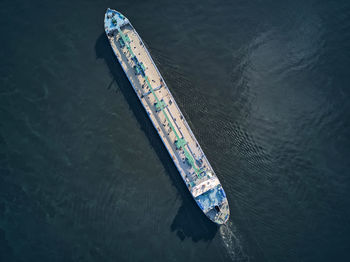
x,y
194,161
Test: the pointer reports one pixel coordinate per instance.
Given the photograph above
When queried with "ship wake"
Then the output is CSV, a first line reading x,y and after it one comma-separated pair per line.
x,y
232,243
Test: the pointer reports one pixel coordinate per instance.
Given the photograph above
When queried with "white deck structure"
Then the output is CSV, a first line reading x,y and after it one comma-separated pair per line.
x,y
166,117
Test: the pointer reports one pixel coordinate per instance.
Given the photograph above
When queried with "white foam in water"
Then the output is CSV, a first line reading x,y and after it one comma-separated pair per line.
x,y
231,242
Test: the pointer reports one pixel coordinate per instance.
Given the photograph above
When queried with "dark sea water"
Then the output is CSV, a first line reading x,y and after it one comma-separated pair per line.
x,y
265,86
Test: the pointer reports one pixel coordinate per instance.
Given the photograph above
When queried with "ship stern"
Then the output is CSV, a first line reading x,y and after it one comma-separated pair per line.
x,y
219,214
214,205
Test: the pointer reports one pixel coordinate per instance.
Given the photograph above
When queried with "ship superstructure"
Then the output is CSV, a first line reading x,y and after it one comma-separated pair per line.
x,y
166,117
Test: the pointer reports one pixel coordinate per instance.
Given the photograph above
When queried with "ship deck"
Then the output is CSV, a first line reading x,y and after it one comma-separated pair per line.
x,y
169,122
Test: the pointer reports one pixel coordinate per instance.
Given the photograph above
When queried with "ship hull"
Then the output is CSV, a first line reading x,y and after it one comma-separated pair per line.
x,y
166,117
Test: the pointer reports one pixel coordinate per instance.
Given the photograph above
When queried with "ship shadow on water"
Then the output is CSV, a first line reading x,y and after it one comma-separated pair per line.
x,y
189,222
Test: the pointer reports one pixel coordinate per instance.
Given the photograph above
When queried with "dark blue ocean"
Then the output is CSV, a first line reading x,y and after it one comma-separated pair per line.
x,y
265,87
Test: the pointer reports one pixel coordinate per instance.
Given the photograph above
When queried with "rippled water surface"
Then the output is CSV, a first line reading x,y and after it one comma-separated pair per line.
x,y
264,86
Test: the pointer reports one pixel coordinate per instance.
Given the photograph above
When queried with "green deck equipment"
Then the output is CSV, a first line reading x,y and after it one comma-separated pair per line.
x,y
182,142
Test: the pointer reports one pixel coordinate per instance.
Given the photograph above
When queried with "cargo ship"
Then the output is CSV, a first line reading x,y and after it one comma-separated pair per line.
x,y
166,117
